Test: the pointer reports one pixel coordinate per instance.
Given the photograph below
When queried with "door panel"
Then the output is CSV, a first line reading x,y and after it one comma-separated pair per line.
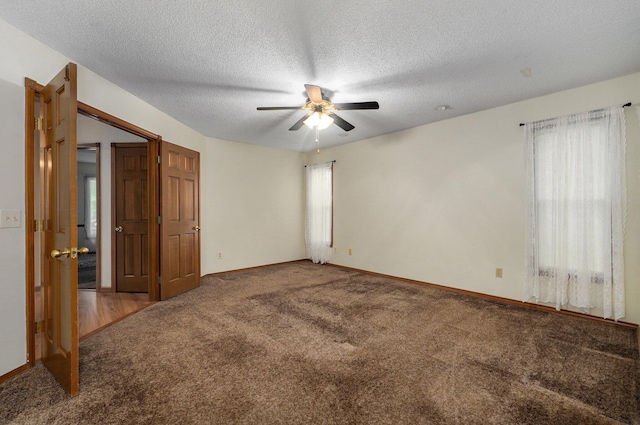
x,y
131,219
180,212
60,283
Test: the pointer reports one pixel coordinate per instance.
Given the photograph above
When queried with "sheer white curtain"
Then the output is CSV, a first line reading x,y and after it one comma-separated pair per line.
x,y
90,208
318,221
576,210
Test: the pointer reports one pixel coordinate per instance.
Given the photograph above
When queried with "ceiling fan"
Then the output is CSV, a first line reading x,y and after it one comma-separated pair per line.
x,y
321,111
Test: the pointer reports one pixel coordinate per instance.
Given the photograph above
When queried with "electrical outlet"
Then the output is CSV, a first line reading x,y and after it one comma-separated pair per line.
x,y
10,218
220,255
499,272
349,251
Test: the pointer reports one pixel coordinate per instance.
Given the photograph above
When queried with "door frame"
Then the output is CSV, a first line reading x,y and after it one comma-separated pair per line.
x,y
153,146
32,92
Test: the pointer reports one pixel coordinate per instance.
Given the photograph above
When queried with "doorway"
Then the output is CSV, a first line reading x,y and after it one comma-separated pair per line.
x,y
51,151
37,258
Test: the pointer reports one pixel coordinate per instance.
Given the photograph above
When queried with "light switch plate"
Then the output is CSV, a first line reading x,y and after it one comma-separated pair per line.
x,y
10,218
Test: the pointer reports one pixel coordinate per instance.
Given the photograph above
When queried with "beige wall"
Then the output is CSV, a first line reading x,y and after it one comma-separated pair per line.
x,y
253,204
13,346
445,202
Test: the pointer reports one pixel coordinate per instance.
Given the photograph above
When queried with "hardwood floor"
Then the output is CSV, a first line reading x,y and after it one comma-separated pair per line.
x,y
97,310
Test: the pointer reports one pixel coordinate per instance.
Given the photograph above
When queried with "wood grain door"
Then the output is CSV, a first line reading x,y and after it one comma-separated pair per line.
x,y
180,220
131,219
60,284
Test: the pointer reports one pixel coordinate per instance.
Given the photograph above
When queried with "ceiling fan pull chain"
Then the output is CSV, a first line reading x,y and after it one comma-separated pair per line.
x,y
318,139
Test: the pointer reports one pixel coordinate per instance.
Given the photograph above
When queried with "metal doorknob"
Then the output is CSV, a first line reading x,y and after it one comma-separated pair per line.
x,y
73,252
57,254
118,229
197,228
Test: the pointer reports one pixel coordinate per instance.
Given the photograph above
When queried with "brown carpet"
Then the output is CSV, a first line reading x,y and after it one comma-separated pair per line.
x,y
308,344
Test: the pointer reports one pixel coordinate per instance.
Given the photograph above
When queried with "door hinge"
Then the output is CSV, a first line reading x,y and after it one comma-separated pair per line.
x,y
40,327
158,159
38,226
159,219
160,280
66,73
39,123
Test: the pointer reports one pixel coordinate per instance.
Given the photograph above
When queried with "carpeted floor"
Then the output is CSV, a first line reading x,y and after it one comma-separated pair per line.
x,y
307,344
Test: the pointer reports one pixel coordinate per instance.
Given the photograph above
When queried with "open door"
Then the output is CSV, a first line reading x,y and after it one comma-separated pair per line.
x,y
179,220
58,107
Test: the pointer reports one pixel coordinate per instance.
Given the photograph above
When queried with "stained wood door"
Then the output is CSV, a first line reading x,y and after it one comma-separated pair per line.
x,y
180,220
60,284
131,219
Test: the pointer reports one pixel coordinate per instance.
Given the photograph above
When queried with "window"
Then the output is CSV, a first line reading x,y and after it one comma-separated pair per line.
x,y
90,208
576,191
319,212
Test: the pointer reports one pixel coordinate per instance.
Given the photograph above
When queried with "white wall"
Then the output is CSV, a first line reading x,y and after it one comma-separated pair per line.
x,y
13,340
254,206
445,202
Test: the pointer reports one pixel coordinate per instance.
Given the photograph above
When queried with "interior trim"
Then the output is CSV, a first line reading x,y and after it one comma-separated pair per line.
x,y
548,309
114,121
95,331
254,267
15,372
153,142
32,90
622,324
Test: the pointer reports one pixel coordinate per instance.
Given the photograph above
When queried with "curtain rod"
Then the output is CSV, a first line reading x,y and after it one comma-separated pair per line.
x,y
624,106
321,163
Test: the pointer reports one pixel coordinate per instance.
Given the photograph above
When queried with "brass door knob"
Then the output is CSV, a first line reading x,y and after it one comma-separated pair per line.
x,y
118,229
57,253
73,252
197,228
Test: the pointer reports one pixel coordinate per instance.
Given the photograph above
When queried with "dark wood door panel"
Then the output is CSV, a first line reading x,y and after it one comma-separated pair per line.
x,y
131,219
179,230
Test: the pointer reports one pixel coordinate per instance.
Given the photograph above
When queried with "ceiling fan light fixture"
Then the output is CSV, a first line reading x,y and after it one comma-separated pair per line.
x,y
319,119
320,111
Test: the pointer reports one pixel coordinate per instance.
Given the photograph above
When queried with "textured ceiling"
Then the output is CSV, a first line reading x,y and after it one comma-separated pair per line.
x,y
210,64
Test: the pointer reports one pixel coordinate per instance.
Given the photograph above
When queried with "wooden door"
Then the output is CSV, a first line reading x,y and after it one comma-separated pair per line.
x,y
131,226
60,284
179,220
